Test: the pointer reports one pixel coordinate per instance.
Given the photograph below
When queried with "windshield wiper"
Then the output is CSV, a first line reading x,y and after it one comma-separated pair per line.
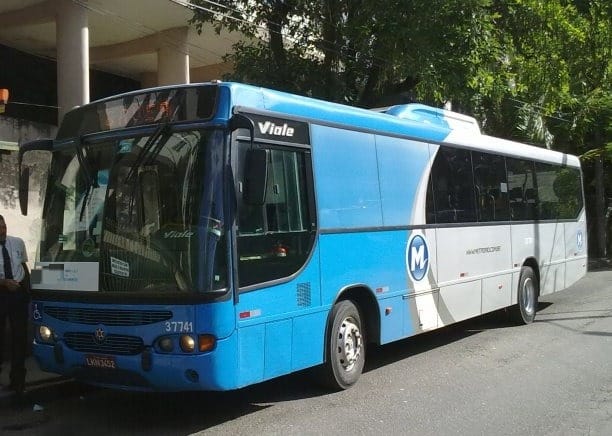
x,y
162,130
146,148
92,181
84,165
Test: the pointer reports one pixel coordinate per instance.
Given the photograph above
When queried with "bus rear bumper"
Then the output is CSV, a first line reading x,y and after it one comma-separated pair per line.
x,y
147,371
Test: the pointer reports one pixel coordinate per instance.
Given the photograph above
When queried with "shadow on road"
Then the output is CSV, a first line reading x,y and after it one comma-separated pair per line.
x,y
393,352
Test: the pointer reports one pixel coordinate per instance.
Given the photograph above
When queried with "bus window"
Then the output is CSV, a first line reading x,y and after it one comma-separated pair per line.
x,y
430,210
522,191
548,202
453,186
163,216
559,191
491,187
274,239
568,189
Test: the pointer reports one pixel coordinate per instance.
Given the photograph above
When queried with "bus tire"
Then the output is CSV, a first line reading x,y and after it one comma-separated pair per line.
x,y
345,348
527,297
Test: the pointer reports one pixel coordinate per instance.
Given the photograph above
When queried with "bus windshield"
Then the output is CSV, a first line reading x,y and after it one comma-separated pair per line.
x,y
148,210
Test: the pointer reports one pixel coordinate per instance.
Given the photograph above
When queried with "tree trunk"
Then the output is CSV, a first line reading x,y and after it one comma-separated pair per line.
x,y
600,208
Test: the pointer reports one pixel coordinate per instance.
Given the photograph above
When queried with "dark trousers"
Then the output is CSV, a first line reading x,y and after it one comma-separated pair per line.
x,y
14,308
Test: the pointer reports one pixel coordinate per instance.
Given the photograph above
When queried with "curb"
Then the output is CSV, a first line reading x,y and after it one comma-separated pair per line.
x,y
599,263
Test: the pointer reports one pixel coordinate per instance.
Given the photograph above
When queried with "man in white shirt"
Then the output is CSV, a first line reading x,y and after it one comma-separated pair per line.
x,y
14,300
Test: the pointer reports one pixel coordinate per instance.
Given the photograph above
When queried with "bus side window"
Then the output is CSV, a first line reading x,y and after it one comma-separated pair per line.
x,y
275,239
453,186
559,193
568,188
430,210
521,185
491,187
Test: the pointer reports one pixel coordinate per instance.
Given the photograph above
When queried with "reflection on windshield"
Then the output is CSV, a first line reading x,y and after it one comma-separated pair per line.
x,y
148,209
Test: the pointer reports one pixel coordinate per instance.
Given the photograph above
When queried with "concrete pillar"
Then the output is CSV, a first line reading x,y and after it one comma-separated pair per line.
x,y
72,56
148,79
173,58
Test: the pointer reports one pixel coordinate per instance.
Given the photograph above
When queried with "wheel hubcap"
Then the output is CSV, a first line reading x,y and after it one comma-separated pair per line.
x,y
528,296
349,344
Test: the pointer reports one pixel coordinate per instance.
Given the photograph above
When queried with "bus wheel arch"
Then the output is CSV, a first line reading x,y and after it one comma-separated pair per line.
x,y
352,323
533,264
365,301
527,293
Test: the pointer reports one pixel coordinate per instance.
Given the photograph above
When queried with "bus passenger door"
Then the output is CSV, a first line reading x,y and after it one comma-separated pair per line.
x,y
278,266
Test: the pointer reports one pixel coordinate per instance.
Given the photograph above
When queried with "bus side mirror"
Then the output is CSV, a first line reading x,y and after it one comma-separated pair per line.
x,y
24,188
256,176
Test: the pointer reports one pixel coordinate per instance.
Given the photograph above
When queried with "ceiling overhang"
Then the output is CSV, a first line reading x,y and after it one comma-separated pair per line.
x,y
124,35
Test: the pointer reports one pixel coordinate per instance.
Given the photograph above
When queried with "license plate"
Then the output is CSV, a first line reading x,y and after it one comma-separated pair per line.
x,y
105,362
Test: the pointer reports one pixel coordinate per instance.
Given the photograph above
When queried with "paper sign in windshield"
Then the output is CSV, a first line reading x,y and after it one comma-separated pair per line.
x,y
119,267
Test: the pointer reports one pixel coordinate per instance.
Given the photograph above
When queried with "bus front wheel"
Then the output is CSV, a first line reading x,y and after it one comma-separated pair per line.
x,y
345,350
527,296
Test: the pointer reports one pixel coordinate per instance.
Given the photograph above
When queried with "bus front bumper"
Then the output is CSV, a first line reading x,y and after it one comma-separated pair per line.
x,y
147,371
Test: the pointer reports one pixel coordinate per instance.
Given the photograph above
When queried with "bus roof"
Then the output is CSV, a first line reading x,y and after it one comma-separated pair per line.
x,y
415,121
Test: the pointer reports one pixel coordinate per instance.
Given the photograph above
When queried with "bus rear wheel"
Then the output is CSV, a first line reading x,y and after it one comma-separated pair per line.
x,y
345,350
527,296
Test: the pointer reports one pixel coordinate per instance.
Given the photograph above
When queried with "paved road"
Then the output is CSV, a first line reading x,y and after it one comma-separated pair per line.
x,y
480,377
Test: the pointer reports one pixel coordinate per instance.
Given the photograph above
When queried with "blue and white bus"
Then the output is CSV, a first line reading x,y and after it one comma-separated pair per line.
x,y
211,236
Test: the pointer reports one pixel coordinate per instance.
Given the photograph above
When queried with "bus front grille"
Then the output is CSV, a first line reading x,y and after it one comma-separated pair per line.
x,y
112,344
107,317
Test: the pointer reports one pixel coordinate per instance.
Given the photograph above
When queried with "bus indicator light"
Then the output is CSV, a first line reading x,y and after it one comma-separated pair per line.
x,y
249,314
206,342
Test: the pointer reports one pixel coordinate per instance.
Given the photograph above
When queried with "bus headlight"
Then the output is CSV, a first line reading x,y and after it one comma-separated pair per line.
x,y
187,344
166,344
46,334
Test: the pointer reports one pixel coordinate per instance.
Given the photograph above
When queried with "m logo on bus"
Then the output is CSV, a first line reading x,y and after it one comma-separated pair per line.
x,y
417,257
579,240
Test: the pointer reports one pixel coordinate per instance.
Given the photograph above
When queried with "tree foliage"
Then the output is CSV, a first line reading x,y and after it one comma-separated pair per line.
x,y
363,51
528,69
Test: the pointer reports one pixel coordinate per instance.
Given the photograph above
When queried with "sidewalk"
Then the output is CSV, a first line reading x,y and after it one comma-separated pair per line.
x,y
36,379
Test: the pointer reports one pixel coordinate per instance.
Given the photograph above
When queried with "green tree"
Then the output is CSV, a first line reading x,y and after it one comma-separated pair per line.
x,y
566,68
363,52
